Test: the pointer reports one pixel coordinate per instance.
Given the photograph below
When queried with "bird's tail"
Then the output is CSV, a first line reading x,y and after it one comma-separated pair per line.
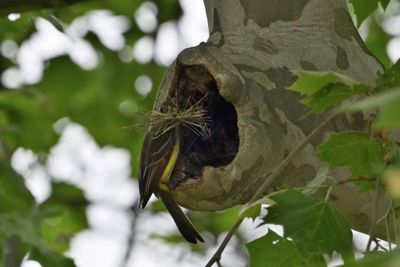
x,y
183,223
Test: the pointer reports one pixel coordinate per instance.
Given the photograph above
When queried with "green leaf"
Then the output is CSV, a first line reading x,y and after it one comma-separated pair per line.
x,y
253,210
363,155
377,41
218,222
310,82
389,78
323,90
331,95
272,250
389,116
50,258
315,226
28,112
364,8
365,185
376,101
388,104
387,259
384,3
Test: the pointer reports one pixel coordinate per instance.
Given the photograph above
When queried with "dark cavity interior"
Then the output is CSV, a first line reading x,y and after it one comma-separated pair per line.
x,y
194,83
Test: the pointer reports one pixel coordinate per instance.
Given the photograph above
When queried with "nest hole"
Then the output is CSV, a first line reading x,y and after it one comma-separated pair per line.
x,y
196,86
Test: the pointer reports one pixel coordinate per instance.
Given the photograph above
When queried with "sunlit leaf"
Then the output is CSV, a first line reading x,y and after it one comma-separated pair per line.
x,y
322,90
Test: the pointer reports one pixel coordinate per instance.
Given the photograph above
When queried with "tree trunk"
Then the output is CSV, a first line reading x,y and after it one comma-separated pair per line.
x,y
254,46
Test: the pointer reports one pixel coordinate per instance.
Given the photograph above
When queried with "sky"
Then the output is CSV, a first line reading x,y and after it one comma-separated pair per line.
x,y
95,168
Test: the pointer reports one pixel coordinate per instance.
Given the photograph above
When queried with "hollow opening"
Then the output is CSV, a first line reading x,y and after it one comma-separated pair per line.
x,y
194,85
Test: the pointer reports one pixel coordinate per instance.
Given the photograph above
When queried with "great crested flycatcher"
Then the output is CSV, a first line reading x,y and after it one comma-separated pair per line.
x,y
158,158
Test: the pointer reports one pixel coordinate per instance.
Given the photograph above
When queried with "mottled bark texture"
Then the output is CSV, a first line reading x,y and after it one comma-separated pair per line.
x,y
253,47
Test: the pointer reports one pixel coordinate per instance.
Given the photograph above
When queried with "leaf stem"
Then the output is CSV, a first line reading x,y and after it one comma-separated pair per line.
x,y
328,193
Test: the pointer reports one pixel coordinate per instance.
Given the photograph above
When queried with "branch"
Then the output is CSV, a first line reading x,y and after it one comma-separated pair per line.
x,y
132,236
217,255
18,6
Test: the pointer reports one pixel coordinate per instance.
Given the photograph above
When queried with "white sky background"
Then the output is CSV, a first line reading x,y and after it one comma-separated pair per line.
x,y
103,172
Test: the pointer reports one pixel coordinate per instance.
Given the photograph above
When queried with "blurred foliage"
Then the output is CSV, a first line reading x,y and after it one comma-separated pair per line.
x,y
92,98
104,100
43,230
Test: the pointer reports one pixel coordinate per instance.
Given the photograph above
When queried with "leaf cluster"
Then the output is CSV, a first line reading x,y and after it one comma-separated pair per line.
x,y
42,230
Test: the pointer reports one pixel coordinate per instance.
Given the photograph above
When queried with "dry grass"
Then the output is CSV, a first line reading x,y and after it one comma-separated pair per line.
x,y
194,117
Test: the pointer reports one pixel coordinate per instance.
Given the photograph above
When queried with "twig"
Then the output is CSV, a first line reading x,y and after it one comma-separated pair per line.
x,y
374,214
217,255
132,235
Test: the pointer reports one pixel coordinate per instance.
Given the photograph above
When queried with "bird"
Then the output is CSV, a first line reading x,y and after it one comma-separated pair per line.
x,y
160,151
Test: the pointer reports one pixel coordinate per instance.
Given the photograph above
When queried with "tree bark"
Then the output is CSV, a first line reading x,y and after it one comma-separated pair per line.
x,y
254,46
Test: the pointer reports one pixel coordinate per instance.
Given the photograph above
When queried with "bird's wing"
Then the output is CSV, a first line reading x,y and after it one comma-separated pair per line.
x,y
154,159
